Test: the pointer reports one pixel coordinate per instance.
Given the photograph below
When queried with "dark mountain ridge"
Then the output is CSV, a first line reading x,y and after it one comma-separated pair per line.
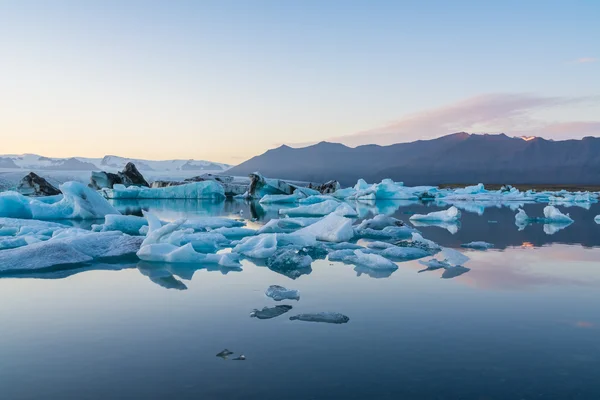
x,y
455,158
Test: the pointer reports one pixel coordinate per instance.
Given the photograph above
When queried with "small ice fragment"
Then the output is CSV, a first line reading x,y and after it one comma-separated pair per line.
x,y
270,312
597,219
327,317
478,245
553,215
241,357
225,353
279,293
451,214
379,222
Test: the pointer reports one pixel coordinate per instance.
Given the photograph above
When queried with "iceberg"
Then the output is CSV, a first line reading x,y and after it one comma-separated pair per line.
x,y
166,252
316,199
129,224
78,202
423,243
279,293
553,215
286,225
449,215
70,248
332,228
234,233
451,227
290,262
327,317
387,233
261,246
373,261
195,190
478,245
279,199
270,312
208,223
397,253
379,222
318,209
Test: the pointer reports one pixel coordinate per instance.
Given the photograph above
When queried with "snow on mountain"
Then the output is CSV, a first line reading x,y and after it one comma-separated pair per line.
x,y
108,163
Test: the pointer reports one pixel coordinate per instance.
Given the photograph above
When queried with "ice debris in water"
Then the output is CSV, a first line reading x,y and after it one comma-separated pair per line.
x,y
279,198
261,246
332,228
398,253
451,214
367,258
279,293
290,262
235,233
597,219
129,224
72,247
286,225
379,222
195,190
241,357
451,227
225,353
318,209
423,243
270,312
77,202
553,215
206,223
478,245
327,317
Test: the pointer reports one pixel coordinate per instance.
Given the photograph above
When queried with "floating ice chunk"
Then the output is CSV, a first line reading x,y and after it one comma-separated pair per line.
x,y
553,215
323,208
299,239
129,224
379,222
165,252
286,225
327,317
521,218
345,210
270,312
434,264
78,202
205,223
235,232
153,221
224,354
261,246
155,235
597,219
289,262
387,233
279,293
69,249
332,228
479,245
316,199
451,214
373,261
203,242
424,243
344,246
379,245
454,257
279,199
195,190
41,255
398,253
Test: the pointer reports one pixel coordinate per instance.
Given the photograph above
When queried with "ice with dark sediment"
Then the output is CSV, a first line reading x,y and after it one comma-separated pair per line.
x,y
270,312
325,317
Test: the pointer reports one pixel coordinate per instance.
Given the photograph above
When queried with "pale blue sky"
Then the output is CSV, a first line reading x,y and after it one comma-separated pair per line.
x,y
226,80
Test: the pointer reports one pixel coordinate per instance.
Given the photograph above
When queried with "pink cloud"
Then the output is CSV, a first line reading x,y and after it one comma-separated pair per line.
x,y
585,60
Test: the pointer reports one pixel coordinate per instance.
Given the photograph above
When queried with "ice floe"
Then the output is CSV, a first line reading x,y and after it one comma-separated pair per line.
x,y
332,228
270,312
77,202
326,317
449,215
477,245
279,293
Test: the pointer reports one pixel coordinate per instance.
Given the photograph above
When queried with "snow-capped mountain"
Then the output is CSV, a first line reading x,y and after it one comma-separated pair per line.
x,y
107,163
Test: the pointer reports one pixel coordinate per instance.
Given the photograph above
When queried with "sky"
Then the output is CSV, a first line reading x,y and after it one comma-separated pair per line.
x,y
227,80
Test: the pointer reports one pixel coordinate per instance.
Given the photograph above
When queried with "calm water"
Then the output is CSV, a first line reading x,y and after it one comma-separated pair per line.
x,y
523,323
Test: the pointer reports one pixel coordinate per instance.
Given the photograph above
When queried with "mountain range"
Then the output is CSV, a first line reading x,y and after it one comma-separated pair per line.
x,y
455,158
107,163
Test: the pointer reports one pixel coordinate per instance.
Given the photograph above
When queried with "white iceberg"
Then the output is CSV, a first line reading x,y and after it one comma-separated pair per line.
x,y
379,222
332,228
279,198
77,202
279,293
207,223
451,214
286,225
451,227
318,209
166,252
234,233
261,246
397,253
553,215
129,224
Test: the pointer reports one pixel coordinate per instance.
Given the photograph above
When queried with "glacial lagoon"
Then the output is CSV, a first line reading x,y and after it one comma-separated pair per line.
x,y
522,322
